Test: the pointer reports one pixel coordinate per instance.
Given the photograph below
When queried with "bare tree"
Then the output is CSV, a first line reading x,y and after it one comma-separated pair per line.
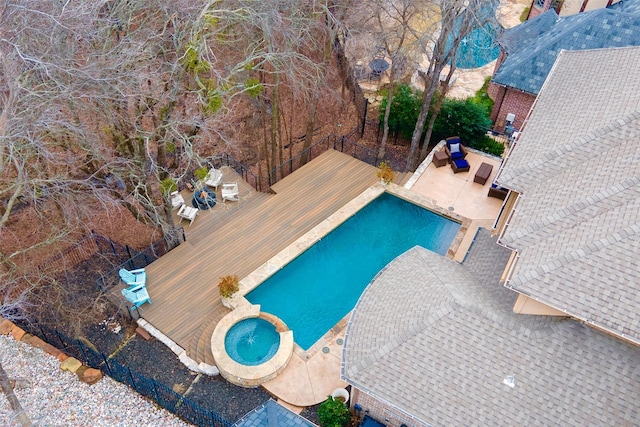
x,y
457,19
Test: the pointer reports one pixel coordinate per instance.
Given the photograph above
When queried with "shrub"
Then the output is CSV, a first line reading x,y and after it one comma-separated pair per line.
x,y
482,97
168,186
463,118
201,173
333,413
405,108
491,146
228,285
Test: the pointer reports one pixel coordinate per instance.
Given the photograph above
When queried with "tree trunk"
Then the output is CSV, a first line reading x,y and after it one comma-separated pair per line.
x,y
387,113
436,111
311,122
274,122
430,89
21,416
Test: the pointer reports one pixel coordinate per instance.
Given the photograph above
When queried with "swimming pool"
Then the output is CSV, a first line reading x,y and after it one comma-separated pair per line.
x,y
318,288
480,46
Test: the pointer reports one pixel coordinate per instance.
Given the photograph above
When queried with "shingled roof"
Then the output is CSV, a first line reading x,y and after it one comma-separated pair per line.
x,y
532,47
439,340
576,165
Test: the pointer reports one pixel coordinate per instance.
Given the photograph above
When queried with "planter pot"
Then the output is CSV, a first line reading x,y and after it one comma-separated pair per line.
x,y
228,302
341,394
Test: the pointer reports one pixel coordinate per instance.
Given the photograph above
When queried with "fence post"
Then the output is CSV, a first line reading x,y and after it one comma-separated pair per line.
x,y
105,361
364,116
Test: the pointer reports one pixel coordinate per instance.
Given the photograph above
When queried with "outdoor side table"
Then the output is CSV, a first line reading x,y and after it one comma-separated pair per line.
x,y
440,159
483,173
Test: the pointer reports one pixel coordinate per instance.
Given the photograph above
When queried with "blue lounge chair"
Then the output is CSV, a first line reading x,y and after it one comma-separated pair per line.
x,y
454,149
133,277
137,295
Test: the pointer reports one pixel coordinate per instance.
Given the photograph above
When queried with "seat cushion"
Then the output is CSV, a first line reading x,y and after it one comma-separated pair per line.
x,y
457,156
462,163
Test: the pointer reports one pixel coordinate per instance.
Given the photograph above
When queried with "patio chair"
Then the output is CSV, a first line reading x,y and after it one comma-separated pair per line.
x,y
214,178
454,148
137,296
188,213
176,200
230,192
133,277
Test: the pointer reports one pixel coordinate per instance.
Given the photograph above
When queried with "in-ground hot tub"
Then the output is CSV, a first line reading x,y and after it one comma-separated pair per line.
x,y
250,347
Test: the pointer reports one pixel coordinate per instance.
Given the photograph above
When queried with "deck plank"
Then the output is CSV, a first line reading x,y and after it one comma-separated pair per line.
x,y
238,237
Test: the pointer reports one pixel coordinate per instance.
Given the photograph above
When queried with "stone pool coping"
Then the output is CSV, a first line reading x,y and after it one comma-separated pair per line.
x,y
266,270
243,375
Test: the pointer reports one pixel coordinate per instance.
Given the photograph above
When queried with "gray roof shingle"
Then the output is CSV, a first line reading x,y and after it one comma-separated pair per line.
x,y
532,47
272,414
438,340
576,167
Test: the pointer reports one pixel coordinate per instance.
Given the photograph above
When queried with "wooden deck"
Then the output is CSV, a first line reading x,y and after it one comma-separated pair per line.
x,y
238,237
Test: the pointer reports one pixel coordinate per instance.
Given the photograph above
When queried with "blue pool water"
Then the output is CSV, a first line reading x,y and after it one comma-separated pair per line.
x,y
480,47
318,288
252,341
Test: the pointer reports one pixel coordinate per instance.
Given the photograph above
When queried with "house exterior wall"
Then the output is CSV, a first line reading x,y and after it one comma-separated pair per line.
x,y
507,101
382,412
569,7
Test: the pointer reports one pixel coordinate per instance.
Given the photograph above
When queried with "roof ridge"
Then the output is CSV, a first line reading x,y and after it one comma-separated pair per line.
x,y
577,254
581,205
548,160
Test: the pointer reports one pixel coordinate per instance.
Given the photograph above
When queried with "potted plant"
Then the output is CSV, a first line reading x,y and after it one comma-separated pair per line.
x,y
333,413
228,286
385,173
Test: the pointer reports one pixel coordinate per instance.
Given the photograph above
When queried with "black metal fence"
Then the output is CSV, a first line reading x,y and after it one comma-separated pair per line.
x,y
132,259
163,395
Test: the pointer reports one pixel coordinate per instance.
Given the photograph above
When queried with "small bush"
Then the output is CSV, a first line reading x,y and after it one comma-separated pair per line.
x,y
482,97
228,285
333,413
405,108
201,173
491,146
168,186
463,118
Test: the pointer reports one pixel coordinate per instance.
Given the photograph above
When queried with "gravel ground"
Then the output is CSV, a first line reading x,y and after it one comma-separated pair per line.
x,y
58,398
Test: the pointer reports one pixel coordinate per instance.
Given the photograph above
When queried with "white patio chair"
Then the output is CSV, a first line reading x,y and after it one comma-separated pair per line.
x,y
188,213
214,178
176,200
230,192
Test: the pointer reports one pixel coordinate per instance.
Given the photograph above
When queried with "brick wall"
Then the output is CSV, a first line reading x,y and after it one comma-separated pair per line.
x,y
509,101
386,414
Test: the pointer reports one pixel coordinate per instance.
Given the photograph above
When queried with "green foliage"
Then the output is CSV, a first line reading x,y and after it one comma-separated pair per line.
x,y
333,413
405,108
168,186
467,118
524,14
464,118
482,97
201,173
192,61
212,101
253,88
491,146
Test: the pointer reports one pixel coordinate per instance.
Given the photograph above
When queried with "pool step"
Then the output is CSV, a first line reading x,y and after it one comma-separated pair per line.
x,y
200,348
